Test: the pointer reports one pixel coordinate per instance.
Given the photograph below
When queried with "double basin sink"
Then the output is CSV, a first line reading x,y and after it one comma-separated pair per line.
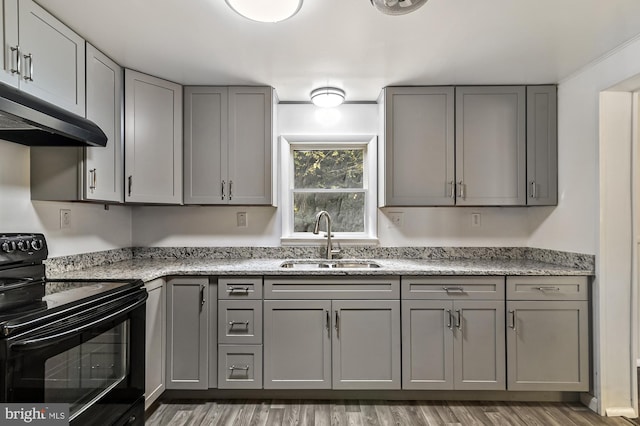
x,y
330,264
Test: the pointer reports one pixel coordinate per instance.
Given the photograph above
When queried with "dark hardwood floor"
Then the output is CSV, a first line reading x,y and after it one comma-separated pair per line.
x,y
372,413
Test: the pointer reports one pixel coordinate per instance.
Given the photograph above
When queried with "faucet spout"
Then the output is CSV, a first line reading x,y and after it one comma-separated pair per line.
x,y
316,229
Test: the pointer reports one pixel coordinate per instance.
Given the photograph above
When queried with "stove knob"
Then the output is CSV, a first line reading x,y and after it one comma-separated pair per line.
x,y
23,245
9,246
37,244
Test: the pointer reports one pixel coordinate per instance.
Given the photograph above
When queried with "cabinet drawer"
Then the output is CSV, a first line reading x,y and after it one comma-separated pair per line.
x,y
547,288
240,288
240,321
454,288
332,288
240,366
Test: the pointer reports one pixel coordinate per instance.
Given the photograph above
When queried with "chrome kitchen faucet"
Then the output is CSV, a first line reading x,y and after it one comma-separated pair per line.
x,y
316,229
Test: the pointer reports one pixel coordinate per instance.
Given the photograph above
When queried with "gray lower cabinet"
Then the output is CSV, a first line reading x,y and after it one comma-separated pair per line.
x,y
187,333
325,333
548,334
155,344
453,333
240,366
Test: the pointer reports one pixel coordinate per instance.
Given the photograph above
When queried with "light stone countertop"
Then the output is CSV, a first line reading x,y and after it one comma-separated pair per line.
x,y
149,269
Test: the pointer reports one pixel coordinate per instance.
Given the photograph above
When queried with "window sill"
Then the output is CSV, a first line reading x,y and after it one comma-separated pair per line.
x,y
302,241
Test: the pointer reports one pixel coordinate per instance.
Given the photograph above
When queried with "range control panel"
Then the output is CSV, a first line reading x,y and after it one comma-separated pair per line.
x,y
22,247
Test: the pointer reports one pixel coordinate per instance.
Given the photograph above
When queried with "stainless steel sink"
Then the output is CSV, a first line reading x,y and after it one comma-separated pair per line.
x,y
338,264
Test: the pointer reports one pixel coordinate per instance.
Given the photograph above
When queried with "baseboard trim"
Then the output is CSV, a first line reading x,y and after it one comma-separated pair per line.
x,y
590,401
621,411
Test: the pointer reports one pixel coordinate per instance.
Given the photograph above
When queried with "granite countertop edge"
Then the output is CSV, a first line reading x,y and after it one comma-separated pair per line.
x,y
150,269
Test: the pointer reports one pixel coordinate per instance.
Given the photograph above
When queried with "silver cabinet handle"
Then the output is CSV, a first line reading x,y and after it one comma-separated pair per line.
x,y
459,319
230,190
30,76
129,184
92,180
202,300
235,367
328,323
449,319
242,323
238,290
222,188
452,189
512,323
534,189
453,289
462,194
543,289
16,51
337,325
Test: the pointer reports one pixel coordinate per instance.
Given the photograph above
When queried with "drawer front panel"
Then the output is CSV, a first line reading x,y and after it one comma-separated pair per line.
x,y
240,366
453,288
332,288
547,288
240,321
240,288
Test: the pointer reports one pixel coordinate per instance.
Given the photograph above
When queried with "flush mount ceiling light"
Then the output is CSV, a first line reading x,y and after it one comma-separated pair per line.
x,y
327,97
397,7
266,10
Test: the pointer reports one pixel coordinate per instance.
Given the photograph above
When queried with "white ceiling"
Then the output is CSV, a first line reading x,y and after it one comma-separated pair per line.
x,y
347,43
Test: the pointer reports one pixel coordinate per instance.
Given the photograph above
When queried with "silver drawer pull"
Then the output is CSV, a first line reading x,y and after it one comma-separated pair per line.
x,y
242,323
233,367
238,290
547,288
453,289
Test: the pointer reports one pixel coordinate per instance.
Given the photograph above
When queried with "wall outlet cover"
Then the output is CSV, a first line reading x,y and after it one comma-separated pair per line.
x,y
396,219
241,218
65,218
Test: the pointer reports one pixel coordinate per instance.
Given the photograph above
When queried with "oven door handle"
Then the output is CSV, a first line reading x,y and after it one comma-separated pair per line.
x,y
24,345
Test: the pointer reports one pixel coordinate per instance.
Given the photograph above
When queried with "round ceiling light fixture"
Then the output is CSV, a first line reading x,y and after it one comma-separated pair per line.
x,y
397,7
327,97
266,10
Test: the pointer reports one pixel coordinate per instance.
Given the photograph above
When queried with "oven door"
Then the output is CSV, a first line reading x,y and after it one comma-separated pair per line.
x,y
92,360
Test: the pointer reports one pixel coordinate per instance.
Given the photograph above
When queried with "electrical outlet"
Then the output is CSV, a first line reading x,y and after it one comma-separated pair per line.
x,y
397,219
241,219
65,218
476,220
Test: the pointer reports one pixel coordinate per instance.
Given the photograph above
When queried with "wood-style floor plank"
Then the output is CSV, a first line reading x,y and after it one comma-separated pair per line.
x,y
375,413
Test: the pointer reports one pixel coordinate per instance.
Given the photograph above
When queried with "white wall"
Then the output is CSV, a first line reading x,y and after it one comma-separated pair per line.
x,y
93,228
216,226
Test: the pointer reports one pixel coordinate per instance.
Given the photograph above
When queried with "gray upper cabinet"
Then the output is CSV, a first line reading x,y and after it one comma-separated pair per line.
x,y
228,145
187,333
491,146
418,147
153,139
542,146
9,21
87,174
297,344
52,58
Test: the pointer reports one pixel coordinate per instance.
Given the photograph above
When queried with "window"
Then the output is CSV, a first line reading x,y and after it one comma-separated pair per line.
x,y
336,175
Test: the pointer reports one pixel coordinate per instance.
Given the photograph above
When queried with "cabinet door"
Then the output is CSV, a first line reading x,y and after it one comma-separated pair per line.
x,y
187,333
427,344
548,346
479,346
419,146
297,344
104,166
9,38
212,303
153,139
155,348
490,146
250,140
205,145
53,59
366,344
542,146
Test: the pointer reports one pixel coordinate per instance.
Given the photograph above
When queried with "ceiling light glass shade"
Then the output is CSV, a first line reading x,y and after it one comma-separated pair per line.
x,y
266,10
327,97
397,7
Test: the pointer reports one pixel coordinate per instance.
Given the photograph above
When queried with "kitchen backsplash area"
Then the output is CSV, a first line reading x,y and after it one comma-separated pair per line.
x,y
86,260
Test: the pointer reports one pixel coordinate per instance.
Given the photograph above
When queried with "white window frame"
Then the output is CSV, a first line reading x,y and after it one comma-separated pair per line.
x,y
369,183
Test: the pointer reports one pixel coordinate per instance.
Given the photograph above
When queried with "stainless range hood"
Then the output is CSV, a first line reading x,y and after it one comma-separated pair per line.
x,y
28,120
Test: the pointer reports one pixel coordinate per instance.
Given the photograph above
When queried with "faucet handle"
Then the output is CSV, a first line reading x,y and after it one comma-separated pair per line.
x,y
336,250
